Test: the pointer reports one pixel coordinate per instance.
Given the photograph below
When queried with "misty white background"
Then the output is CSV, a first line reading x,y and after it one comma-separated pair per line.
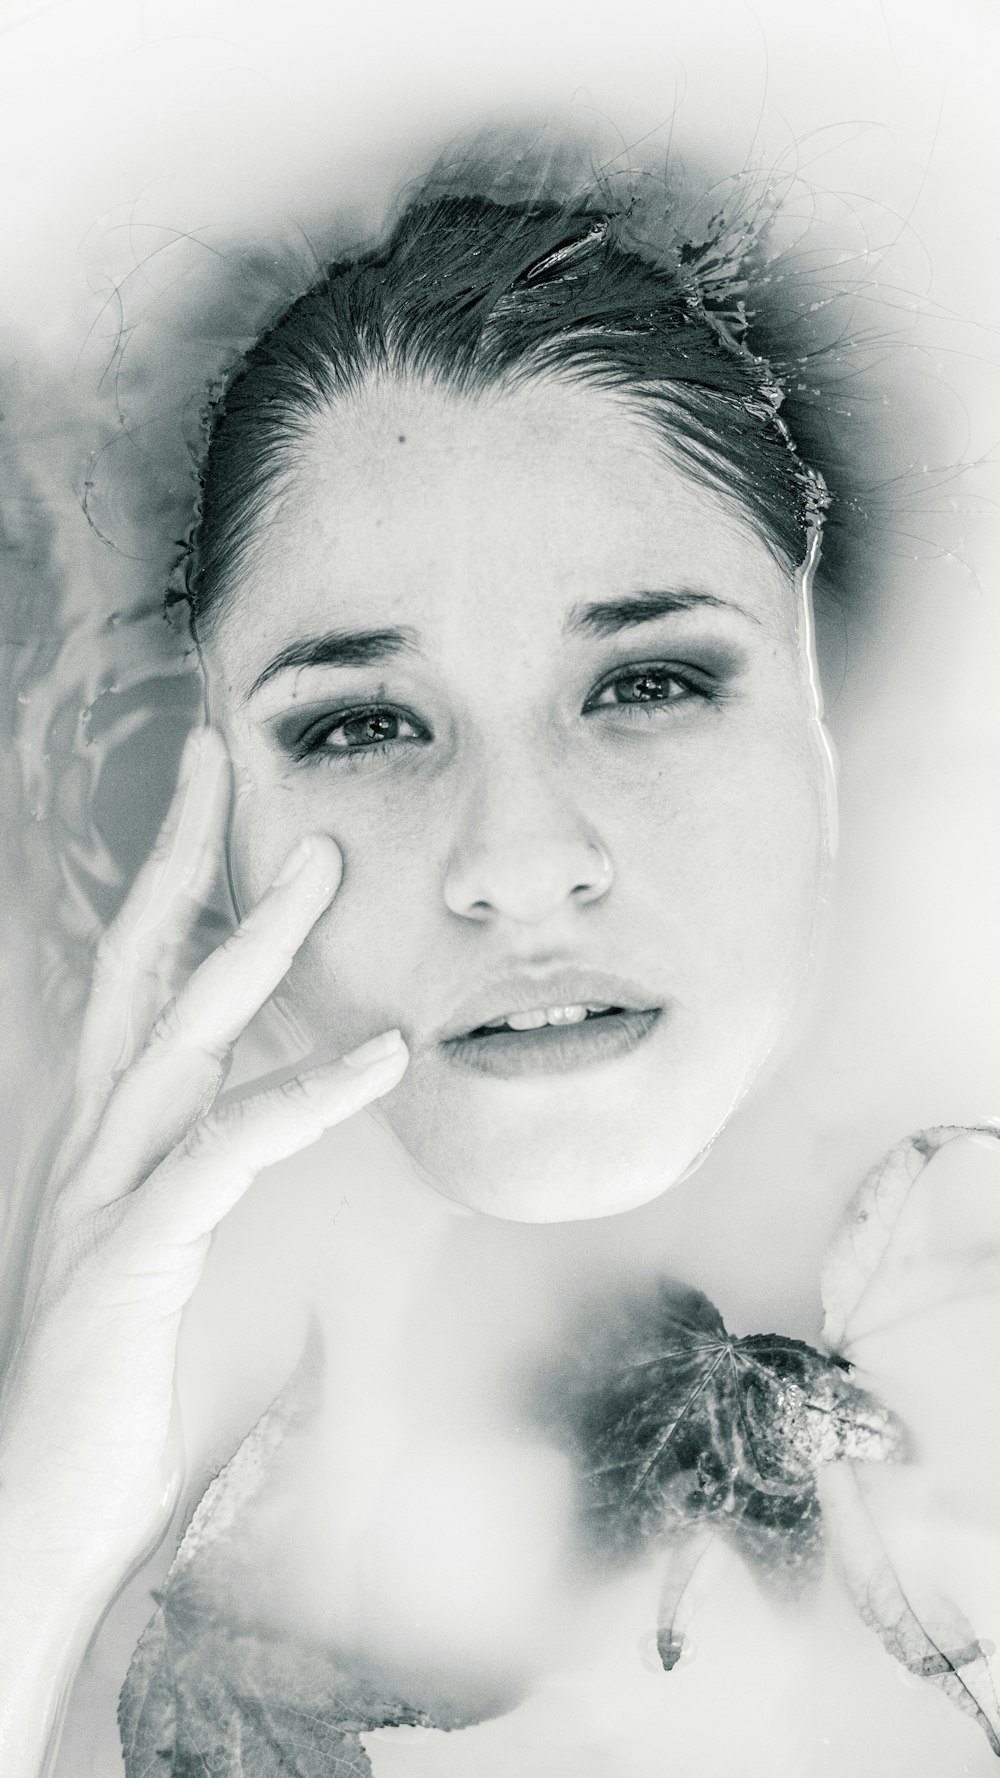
x,y
122,118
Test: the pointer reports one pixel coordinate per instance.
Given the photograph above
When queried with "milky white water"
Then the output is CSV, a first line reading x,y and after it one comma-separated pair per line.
x,y
460,1507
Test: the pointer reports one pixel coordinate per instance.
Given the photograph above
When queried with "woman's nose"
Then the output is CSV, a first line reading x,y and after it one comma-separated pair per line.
x,y
526,876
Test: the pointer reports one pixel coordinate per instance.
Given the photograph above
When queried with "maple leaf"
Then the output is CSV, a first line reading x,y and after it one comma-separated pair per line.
x,y
688,1557
928,1635
676,1424
892,1258
684,1434
915,1255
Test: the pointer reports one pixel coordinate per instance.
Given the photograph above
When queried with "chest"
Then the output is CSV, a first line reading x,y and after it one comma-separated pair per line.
x,y
445,1547
435,1542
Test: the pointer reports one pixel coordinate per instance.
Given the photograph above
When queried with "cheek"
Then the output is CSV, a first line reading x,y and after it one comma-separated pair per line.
x,y
718,863
725,853
357,971
265,824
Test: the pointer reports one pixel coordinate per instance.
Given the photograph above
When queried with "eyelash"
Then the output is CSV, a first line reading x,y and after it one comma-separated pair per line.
x,y
313,744
695,683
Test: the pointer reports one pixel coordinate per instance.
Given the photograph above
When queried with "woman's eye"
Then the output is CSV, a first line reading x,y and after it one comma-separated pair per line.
x,y
371,730
649,685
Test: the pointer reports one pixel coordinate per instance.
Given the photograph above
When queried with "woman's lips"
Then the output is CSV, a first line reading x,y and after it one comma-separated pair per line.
x,y
553,1049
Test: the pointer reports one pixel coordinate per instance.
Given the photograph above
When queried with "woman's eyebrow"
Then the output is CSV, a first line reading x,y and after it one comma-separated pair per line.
x,y
605,617
338,648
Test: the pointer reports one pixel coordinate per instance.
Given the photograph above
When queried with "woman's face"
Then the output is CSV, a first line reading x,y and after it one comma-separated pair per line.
x,y
553,701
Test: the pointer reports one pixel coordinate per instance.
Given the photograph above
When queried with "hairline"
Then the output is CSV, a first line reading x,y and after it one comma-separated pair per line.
x,y
292,439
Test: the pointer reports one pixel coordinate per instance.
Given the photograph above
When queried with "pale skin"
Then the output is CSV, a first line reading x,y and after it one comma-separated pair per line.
x,y
89,1458
470,854
519,544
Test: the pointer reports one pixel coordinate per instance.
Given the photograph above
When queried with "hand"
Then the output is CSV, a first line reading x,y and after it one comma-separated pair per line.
x,y
90,1463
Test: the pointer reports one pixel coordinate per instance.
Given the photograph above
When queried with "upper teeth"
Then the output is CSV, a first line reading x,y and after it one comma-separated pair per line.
x,y
548,1015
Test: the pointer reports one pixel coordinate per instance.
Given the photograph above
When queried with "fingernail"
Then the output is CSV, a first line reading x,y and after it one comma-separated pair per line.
x,y
297,858
377,1049
314,845
325,846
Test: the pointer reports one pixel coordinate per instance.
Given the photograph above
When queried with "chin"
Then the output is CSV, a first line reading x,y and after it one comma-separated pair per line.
x,y
549,1167
569,1132
581,1143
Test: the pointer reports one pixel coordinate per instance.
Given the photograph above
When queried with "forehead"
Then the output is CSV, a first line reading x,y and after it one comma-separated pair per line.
x,y
410,504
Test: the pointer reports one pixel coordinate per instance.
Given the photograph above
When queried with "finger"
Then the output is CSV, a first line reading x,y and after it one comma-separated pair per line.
x,y
185,1199
180,1071
141,944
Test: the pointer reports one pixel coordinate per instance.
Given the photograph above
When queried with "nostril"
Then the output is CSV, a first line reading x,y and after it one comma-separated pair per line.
x,y
598,880
527,882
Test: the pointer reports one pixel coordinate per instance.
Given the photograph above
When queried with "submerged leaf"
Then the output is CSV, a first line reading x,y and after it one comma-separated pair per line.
x,y
212,1690
686,1560
147,1710
675,1423
911,1290
931,1638
198,1699
685,1438
855,1286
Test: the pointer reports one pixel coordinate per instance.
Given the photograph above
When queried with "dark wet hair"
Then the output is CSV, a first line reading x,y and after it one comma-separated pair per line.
x,y
474,294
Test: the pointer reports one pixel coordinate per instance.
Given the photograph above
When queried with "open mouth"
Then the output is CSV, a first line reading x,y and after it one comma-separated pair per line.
x,y
552,1040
